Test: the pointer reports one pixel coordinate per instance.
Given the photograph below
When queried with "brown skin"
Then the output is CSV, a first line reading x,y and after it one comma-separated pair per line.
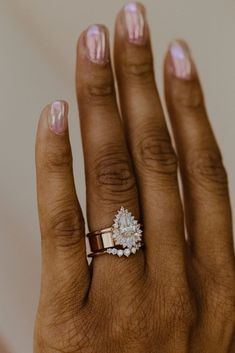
x,y
174,295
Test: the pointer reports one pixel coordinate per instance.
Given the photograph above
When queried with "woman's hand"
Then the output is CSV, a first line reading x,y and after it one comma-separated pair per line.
x,y
174,295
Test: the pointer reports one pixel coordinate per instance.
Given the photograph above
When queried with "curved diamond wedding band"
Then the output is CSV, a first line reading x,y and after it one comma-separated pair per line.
x,y
122,239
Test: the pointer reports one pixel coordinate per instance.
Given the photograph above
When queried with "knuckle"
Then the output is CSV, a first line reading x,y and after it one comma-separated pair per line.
x,y
58,329
190,98
155,153
223,304
181,308
59,158
176,303
140,69
66,224
100,92
216,288
112,171
219,290
207,168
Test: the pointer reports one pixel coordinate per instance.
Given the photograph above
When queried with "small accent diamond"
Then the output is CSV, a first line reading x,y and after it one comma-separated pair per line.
x,y
127,252
120,253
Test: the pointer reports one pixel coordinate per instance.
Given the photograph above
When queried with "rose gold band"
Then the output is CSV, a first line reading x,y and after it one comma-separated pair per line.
x,y
100,241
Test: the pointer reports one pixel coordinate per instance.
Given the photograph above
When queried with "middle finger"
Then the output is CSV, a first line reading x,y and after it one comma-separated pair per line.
x,y
109,175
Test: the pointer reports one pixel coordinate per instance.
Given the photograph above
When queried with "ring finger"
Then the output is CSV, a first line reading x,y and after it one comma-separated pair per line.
x,y
109,175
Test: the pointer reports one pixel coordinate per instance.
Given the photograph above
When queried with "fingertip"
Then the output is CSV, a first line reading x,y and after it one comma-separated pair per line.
x,y
132,25
93,45
131,6
179,62
181,42
94,74
52,133
54,118
183,90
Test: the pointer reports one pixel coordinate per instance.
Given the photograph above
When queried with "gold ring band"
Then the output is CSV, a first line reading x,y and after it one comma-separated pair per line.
x,y
101,240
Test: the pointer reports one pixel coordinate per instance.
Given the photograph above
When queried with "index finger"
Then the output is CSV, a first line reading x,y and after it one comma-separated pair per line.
x,y
64,265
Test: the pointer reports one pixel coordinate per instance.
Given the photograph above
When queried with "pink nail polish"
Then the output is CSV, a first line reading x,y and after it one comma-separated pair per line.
x,y
96,43
135,22
181,60
57,120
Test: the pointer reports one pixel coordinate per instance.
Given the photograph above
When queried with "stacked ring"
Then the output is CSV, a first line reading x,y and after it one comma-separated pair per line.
x,y
123,238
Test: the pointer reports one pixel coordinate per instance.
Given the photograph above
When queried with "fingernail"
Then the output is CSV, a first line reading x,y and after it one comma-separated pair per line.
x,y
57,120
181,60
135,22
96,43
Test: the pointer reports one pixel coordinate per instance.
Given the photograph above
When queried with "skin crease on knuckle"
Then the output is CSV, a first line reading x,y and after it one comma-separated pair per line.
x,y
66,224
205,169
57,160
100,94
128,310
97,89
139,66
157,155
112,174
139,71
188,98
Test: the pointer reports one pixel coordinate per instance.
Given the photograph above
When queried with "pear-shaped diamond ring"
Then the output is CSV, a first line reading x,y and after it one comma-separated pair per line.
x,y
122,239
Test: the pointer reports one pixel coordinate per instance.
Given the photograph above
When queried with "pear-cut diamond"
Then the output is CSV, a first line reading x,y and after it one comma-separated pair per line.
x,y
126,230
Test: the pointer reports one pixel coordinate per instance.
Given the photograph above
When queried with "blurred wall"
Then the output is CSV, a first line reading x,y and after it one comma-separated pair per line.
x,y
37,56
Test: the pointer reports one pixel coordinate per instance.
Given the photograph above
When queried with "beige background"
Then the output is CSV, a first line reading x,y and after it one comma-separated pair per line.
x,y
37,56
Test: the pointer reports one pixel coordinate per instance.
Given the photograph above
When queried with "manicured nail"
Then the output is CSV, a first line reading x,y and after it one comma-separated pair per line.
x,y
181,60
96,43
135,22
57,120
